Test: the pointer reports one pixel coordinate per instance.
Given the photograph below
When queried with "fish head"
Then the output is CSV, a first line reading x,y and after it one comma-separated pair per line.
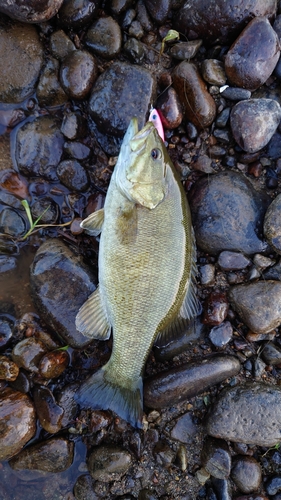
x,y
142,166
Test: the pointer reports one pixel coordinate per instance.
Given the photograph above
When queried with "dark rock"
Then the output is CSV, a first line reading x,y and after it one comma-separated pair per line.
x,y
216,458
207,274
222,334
77,150
46,209
48,411
143,17
246,473
6,329
273,149
136,30
253,123
53,364
158,10
74,126
164,455
30,11
236,94
213,72
200,107
222,21
49,92
185,50
108,463
215,308
104,38
78,72
223,118
54,272
83,488
78,13
66,401
181,383
274,273
18,422
73,175
22,383
119,6
60,45
258,304
253,56
271,354
249,413
28,352
227,214
8,369
222,488
169,109
273,485
203,164
23,42
272,224
222,135
12,223
229,261
134,50
185,430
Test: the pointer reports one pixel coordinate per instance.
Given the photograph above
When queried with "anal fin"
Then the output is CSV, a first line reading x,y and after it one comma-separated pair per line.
x,y
92,320
93,224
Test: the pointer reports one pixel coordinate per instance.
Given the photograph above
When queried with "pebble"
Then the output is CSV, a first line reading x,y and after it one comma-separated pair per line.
x,y
253,123
257,51
223,118
185,430
6,331
108,463
207,274
78,15
246,473
8,369
27,354
221,335
53,364
215,308
21,40
249,413
73,175
216,458
60,45
49,91
47,209
83,488
158,10
74,125
54,455
185,50
272,224
77,150
213,72
274,273
179,384
222,489
229,261
236,94
227,214
273,485
49,413
39,146
134,50
56,272
170,109
12,223
30,12
78,72
271,354
66,401
258,304
104,38
18,422
262,262
200,107
8,263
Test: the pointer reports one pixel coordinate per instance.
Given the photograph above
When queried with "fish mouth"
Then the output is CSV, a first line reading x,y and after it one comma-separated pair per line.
x,y
138,142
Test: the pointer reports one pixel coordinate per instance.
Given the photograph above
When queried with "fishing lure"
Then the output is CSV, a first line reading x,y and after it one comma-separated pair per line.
x,y
156,120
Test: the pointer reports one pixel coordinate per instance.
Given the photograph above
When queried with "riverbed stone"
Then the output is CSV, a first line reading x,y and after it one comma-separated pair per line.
x,y
49,413
73,175
246,473
170,109
216,458
213,72
12,223
104,38
61,45
18,422
30,11
158,10
271,354
229,261
185,50
249,413
22,41
28,352
253,56
258,304
253,123
78,73
179,384
272,224
107,463
49,91
78,13
60,284
8,369
227,214
199,105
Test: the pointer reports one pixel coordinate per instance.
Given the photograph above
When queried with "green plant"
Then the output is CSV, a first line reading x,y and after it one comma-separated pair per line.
x,y
34,226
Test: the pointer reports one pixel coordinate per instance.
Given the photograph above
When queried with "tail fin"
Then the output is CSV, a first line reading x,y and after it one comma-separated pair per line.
x,y
99,393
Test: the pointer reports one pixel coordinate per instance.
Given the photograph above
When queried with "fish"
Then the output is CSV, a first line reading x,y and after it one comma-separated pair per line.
x,y
154,117
147,268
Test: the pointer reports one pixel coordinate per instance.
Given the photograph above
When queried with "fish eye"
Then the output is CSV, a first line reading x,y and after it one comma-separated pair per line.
x,y
154,117
155,154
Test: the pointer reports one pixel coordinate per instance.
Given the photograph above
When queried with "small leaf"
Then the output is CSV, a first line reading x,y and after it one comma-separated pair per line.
x,y
171,36
28,213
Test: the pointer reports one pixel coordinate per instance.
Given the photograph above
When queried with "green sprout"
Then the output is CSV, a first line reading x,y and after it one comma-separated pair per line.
x,y
171,36
34,226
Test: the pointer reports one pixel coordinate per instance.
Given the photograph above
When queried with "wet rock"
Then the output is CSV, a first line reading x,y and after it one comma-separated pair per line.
x,y
53,364
258,304
253,123
18,422
158,10
271,354
8,369
108,463
236,94
30,11
223,118
181,383
253,56
73,175
7,264
119,6
61,45
134,50
27,354
215,308
246,473
185,429
272,224
66,401
185,50
207,274
77,150
54,455
14,183
222,489
200,107
213,72
114,101
48,411
6,330
232,261
169,109
222,334
22,383
46,209
49,92
78,72
39,146
22,41
273,485
74,126
78,13
83,488
227,214
135,30
60,284
249,413
222,21
12,223
164,455
104,38
216,458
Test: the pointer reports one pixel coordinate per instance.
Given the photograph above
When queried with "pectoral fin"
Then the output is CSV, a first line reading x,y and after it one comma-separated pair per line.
x,y
93,223
92,320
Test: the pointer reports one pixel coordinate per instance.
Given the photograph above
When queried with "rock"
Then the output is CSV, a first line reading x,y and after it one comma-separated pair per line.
x,y
272,224
28,352
104,38
222,21
8,369
49,92
246,473
216,458
46,209
273,485
207,274
134,50
249,413
213,72
253,123
60,45
18,422
54,455
253,56
77,150
236,94
229,261
60,284
227,214
30,11
73,175
185,50
53,364
158,10
23,42
271,354
6,330
12,223
222,488
83,488
108,463
223,118
48,411
39,146
74,126
185,430
181,383
169,109
200,107
78,13
222,334
78,72
258,304
164,455
215,308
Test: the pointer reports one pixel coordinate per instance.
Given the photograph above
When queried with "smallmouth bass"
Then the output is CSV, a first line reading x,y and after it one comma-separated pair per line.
x,y
146,271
